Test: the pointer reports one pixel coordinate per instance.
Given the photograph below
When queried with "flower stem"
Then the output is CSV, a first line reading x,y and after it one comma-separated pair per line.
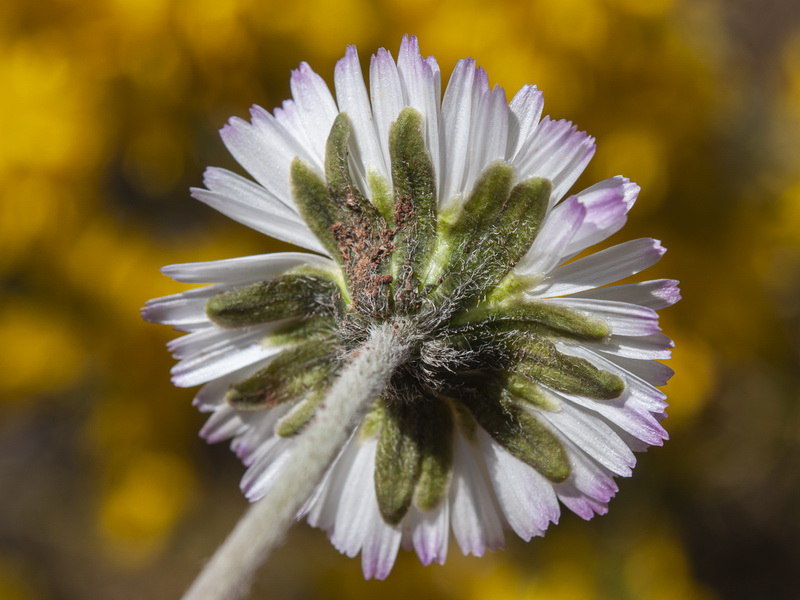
x,y
229,573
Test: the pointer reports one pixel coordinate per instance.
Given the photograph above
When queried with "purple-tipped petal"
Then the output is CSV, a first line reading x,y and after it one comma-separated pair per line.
x,y
315,107
589,487
526,497
623,318
557,230
656,294
556,151
607,204
601,268
593,436
429,532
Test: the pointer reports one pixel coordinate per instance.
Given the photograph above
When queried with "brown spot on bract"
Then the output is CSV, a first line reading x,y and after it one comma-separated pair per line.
x,y
365,244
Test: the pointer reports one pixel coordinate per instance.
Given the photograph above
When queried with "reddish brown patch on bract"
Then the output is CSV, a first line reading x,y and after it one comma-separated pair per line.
x,y
405,219
365,244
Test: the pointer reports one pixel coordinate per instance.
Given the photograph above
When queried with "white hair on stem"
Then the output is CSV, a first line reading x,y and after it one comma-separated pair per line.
x,y
229,573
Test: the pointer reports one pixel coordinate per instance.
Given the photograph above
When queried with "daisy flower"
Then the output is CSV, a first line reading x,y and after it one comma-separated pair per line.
x,y
525,381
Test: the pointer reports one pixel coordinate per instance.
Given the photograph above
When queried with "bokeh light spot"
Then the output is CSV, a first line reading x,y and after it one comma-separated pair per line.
x,y
47,356
140,511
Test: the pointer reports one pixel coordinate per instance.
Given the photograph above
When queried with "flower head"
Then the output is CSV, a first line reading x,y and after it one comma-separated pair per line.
x,y
528,381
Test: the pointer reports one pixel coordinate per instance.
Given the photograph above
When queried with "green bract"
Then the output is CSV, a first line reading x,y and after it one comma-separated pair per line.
x,y
483,356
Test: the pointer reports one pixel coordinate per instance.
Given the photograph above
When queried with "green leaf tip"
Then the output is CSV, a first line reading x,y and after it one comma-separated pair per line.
x,y
301,413
310,193
541,361
493,231
397,463
519,432
286,296
414,214
414,457
549,319
289,376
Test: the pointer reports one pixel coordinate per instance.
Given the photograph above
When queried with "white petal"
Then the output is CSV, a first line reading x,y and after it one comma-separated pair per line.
x,y
316,109
526,497
185,311
245,269
474,511
526,109
421,83
265,453
238,351
647,347
290,119
352,97
634,443
380,547
547,250
489,133
572,163
184,314
211,338
538,149
647,397
556,151
622,317
606,266
655,294
626,413
266,149
351,527
358,524
212,394
262,474
254,445
198,341
654,373
428,532
387,99
593,436
457,107
224,423
275,226
286,140
607,204
255,206
589,487
324,503
265,157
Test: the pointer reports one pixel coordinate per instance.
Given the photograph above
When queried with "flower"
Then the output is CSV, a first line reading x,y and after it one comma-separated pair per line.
x,y
531,381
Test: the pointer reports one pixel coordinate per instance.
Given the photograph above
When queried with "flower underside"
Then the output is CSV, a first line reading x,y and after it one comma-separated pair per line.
x,y
481,350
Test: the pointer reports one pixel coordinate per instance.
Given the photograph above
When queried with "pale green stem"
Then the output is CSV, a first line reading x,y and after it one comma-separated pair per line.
x,y
229,573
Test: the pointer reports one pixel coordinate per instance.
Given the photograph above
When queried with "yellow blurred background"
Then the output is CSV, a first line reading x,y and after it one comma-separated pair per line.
x,y
109,112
